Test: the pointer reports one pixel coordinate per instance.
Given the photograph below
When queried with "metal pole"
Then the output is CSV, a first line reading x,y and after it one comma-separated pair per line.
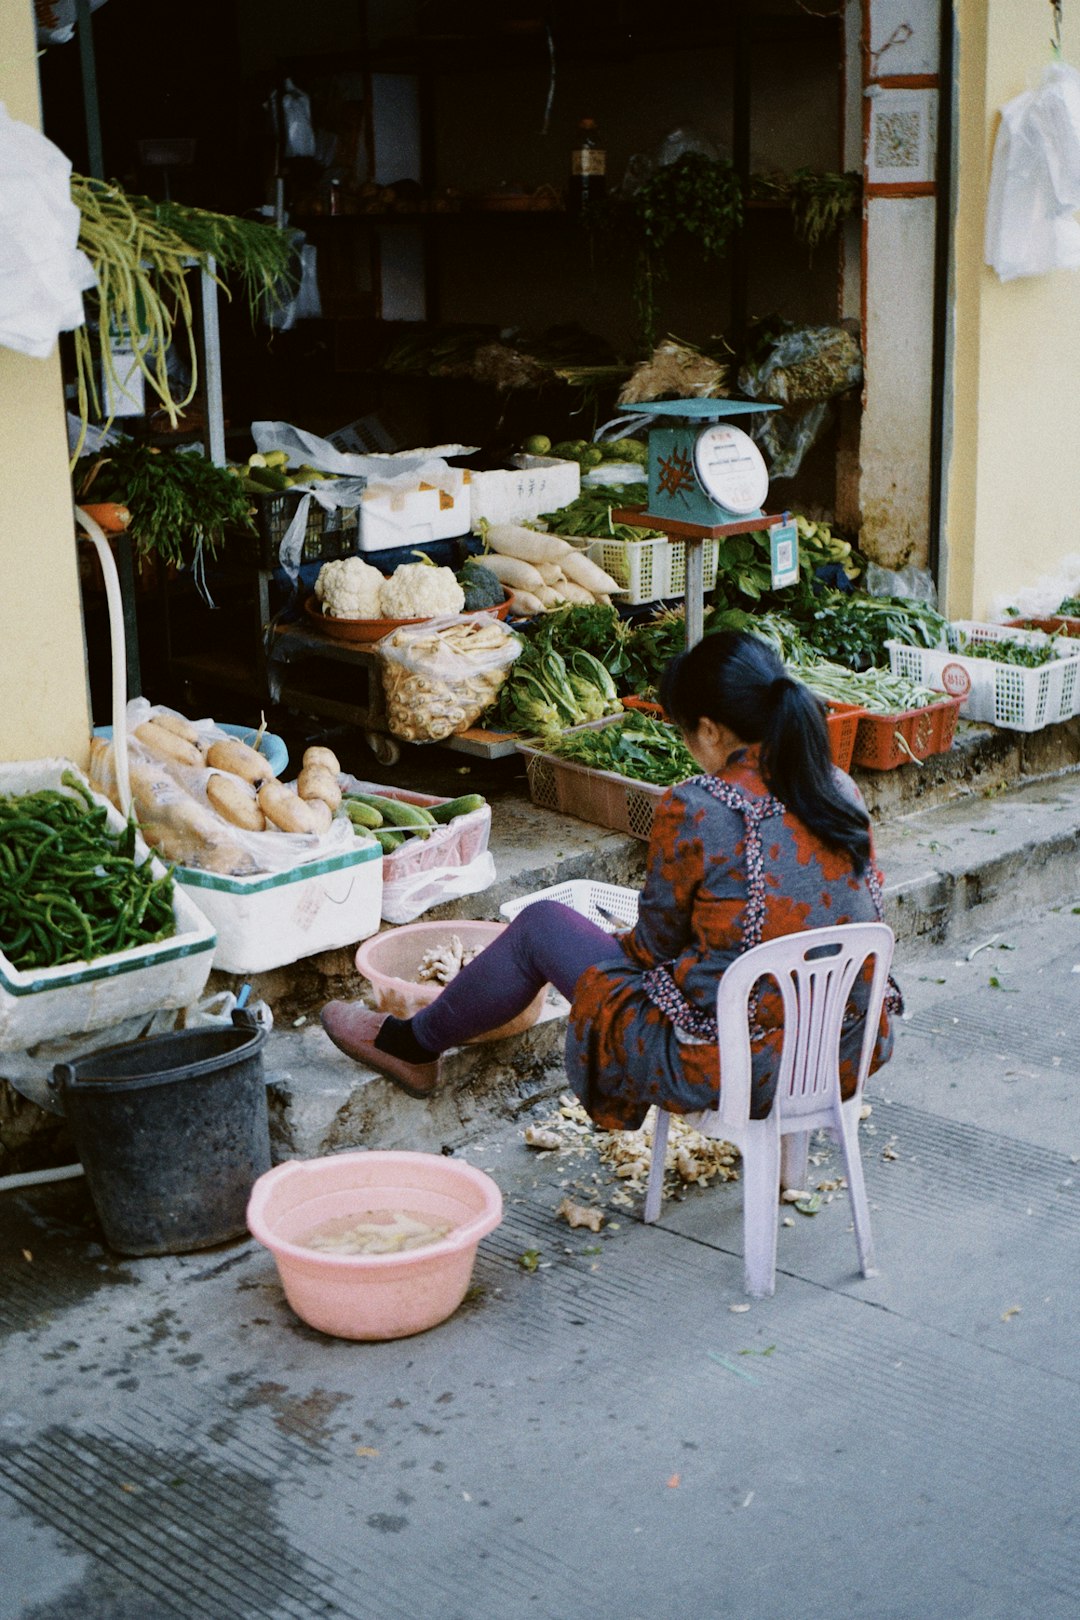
x,y
212,382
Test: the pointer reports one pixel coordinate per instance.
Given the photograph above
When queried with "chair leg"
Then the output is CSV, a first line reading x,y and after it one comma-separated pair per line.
x,y
794,1158
761,1212
654,1188
848,1132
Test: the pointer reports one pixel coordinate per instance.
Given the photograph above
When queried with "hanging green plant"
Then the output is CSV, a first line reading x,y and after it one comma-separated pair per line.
x,y
696,194
820,202
141,252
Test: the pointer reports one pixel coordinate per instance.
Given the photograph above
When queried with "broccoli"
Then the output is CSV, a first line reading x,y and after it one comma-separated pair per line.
x,y
482,589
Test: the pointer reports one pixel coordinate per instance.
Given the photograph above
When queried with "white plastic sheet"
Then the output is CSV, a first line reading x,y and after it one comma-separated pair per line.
x,y
43,273
1035,180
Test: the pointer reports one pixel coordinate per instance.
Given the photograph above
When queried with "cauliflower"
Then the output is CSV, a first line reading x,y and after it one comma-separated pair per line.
x,y
419,591
349,588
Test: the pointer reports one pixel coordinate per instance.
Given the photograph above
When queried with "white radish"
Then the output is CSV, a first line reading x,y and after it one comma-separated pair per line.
x,y
512,540
574,592
550,573
583,571
519,575
525,603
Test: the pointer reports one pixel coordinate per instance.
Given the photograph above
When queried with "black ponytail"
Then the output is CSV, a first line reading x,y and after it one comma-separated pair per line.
x,y
738,680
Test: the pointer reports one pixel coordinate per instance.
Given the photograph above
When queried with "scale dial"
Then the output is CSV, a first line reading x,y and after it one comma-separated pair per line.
x,y
731,469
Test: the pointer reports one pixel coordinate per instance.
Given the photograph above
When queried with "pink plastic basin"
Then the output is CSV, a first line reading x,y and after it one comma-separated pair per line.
x,y
373,1296
392,959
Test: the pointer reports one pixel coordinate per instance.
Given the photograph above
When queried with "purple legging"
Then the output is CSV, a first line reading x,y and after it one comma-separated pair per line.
x,y
547,943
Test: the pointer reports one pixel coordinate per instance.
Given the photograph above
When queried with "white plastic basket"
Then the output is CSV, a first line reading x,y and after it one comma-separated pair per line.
x,y
1005,695
648,570
607,904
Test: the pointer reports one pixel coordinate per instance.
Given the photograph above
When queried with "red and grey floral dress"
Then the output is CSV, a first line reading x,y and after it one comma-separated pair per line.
x,y
728,866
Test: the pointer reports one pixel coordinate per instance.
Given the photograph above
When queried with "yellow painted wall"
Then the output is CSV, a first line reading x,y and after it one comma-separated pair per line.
x,y
1013,484
44,702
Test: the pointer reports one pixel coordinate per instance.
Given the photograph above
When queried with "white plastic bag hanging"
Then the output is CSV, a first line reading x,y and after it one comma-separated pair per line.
x,y
43,272
1035,180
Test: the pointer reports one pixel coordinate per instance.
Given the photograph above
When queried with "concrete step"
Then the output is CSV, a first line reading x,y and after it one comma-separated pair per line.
x,y
988,831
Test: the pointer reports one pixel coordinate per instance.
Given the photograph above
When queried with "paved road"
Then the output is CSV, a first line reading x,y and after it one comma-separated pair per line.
x,y
611,1436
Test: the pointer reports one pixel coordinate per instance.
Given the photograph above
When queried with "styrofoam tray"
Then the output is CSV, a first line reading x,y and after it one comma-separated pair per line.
x,y
608,904
45,1004
272,919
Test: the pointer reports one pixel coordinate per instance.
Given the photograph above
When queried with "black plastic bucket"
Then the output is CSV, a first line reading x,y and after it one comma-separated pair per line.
x,y
172,1132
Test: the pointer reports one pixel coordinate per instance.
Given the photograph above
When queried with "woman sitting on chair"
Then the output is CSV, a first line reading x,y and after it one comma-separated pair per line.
x,y
770,839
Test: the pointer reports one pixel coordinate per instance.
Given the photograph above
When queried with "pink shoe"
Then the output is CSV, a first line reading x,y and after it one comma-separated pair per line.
x,y
353,1027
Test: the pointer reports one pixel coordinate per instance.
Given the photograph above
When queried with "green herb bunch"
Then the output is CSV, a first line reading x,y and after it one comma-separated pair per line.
x,y
180,502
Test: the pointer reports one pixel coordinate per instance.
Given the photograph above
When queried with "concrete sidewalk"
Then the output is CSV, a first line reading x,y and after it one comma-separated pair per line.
x,y
613,1435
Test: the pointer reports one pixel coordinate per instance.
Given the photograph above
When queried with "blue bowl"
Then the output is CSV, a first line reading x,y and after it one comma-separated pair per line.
x,y
271,745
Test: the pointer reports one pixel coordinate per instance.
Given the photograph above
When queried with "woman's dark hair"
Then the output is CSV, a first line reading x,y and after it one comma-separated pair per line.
x,y
738,680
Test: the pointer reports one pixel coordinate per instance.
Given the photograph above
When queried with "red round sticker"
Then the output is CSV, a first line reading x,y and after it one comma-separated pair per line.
x,y
956,680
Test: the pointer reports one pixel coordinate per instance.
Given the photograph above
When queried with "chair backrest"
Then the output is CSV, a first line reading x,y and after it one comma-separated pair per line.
x,y
815,971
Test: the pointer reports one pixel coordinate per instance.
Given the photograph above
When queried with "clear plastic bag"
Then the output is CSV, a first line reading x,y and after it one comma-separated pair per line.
x,y
1035,180
177,819
786,436
440,676
914,584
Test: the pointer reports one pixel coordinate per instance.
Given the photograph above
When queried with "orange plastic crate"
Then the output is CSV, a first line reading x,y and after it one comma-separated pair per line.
x,y
842,722
884,741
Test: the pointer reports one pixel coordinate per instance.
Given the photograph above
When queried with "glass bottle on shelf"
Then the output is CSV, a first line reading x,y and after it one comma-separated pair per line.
x,y
588,166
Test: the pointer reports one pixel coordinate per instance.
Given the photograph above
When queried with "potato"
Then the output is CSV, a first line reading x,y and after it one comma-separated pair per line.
x,y
177,725
324,757
235,756
323,814
165,744
316,783
288,811
234,799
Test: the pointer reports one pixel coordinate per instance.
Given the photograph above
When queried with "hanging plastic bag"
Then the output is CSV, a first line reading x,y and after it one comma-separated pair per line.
x,y
785,437
1035,180
290,111
807,364
43,272
440,676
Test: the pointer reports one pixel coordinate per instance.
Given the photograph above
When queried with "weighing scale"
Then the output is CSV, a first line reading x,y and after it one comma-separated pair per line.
x,y
708,480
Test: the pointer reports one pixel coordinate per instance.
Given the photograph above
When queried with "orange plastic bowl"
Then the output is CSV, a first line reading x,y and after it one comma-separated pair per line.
x,y
373,1296
391,960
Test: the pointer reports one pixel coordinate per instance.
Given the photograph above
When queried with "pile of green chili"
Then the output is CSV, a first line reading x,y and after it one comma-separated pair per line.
x,y
70,887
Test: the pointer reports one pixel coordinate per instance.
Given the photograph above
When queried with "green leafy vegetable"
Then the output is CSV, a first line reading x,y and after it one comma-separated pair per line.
x,y
638,747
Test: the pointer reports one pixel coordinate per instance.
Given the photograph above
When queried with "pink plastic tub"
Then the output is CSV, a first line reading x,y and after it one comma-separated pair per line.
x,y
373,1296
390,961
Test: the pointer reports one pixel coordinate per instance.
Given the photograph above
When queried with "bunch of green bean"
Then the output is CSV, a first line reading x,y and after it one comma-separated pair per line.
x,y
141,252
70,887
877,690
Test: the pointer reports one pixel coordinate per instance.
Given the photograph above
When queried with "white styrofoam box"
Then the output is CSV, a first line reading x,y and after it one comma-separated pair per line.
x,y
46,1004
588,897
391,518
520,492
648,570
615,474
1007,695
272,919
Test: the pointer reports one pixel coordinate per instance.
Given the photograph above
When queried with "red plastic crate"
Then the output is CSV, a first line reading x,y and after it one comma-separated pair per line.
x,y
884,741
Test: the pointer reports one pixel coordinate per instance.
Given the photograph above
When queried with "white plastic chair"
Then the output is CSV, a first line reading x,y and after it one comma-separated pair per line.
x,y
815,971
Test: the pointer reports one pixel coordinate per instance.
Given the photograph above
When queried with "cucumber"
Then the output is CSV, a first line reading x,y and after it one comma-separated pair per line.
x,y
389,838
443,813
395,812
363,815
